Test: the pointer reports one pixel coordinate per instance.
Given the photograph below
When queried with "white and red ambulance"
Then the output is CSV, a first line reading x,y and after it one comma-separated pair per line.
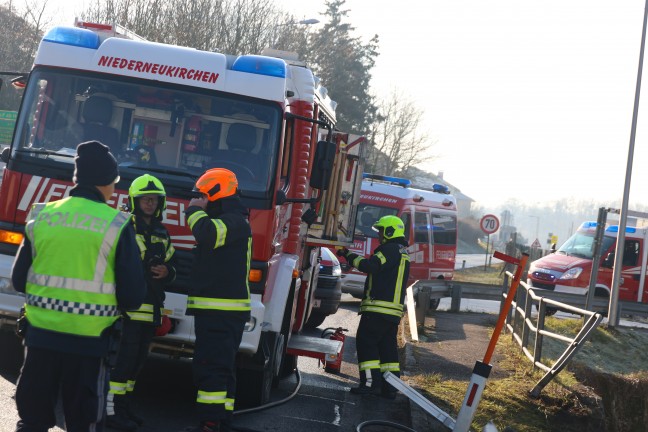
x,y
430,218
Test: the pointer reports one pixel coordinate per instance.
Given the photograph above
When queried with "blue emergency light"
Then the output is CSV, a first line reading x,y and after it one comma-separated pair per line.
x,y
73,36
394,180
588,225
439,188
615,229
260,65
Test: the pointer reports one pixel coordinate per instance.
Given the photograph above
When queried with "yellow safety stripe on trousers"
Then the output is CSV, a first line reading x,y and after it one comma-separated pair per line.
x,y
130,386
369,364
118,388
218,304
221,232
212,397
392,367
144,313
191,220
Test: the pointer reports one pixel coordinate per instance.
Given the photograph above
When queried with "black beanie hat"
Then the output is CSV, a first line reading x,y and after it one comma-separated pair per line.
x,y
94,165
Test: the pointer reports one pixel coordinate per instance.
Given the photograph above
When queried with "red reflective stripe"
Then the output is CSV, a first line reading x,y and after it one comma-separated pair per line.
x,y
471,397
95,25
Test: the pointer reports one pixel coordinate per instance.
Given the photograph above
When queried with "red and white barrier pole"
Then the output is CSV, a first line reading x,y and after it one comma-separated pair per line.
x,y
482,369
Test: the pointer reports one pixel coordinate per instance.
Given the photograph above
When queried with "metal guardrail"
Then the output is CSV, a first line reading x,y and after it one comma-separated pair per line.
x,y
439,288
520,320
520,323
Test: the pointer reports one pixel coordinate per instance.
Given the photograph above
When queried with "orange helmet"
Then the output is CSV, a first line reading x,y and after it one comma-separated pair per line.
x,y
217,183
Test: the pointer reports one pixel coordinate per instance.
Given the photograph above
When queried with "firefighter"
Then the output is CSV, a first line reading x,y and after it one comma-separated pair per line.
x,y
381,307
78,266
219,295
147,201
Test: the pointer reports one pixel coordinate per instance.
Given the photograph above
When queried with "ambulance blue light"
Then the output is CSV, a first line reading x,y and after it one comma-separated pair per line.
x,y
395,180
436,187
588,225
261,65
73,36
615,229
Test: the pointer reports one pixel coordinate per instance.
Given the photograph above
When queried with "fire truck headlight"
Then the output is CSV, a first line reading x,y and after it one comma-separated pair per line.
x,y
6,287
572,273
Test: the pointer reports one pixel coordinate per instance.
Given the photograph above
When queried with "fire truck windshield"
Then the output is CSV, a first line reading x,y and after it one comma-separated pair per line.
x,y
368,215
149,125
581,245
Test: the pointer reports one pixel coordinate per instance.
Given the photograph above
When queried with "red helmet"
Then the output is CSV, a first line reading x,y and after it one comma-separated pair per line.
x,y
217,183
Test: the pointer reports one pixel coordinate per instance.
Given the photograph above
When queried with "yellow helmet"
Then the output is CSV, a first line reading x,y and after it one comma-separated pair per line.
x,y
392,227
147,185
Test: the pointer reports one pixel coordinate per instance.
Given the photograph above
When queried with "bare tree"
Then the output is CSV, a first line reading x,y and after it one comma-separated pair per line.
x,y
399,141
23,23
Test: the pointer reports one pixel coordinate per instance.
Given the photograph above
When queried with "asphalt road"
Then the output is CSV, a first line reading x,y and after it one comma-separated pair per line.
x,y
165,395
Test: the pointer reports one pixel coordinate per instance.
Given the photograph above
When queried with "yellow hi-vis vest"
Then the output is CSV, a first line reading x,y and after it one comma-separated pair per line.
x,y
71,282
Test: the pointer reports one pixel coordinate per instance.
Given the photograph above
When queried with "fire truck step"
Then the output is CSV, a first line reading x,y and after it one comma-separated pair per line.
x,y
315,347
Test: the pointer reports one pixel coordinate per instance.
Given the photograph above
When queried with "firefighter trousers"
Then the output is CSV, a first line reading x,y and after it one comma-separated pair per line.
x,y
218,337
377,348
136,337
80,381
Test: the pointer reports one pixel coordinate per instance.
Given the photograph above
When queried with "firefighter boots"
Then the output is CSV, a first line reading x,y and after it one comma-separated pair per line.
x,y
371,382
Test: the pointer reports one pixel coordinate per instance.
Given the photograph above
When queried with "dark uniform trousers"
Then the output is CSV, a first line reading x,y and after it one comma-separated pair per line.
x,y
376,339
81,381
218,336
134,345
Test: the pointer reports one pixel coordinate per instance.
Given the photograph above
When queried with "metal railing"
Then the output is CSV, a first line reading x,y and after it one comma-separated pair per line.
x,y
520,321
521,325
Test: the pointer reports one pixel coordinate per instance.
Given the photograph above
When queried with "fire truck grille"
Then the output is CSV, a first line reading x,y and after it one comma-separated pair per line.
x,y
550,287
544,276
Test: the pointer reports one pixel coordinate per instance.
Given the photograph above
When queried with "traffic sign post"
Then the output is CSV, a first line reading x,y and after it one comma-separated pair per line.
x,y
489,224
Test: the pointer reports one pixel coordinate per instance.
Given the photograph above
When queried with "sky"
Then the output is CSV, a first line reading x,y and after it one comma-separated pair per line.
x,y
529,100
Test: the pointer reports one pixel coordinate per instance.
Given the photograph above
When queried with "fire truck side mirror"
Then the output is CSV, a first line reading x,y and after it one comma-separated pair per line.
x,y
608,262
323,165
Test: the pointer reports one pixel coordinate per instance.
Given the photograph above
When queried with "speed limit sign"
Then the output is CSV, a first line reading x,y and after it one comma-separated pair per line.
x,y
489,223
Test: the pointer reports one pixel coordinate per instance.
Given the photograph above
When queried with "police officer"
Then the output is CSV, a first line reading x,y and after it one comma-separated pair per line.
x,y
381,307
219,295
147,201
78,266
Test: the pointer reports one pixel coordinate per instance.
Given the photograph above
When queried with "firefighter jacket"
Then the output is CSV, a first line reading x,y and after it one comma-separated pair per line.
x,y
387,273
77,270
155,248
219,277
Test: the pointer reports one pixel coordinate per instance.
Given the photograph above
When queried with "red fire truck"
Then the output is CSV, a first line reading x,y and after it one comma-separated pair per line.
x,y
430,218
174,112
569,269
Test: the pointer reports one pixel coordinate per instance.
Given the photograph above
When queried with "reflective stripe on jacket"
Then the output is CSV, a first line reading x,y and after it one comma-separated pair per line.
x,y
223,252
387,273
71,282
